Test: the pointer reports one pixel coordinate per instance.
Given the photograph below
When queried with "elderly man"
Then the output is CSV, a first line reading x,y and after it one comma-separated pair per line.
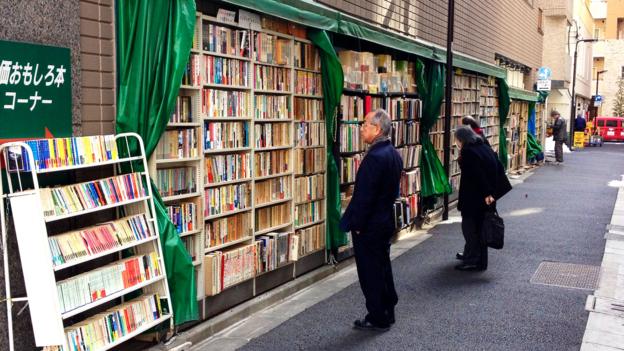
x,y
560,135
370,218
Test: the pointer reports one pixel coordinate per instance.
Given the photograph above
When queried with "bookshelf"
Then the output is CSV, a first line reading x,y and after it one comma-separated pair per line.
x,y
517,125
258,118
77,280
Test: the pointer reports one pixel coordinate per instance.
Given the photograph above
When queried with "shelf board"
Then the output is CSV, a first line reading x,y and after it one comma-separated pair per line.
x,y
307,70
97,209
268,230
307,96
350,153
183,124
111,297
89,165
226,86
137,332
275,202
226,118
189,87
228,244
217,21
270,148
273,176
177,160
236,181
218,54
191,232
350,121
309,174
272,120
309,201
309,224
180,197
278,92
310,147
221,151
228,213
309,121
84,259
197,263
347,183
260,63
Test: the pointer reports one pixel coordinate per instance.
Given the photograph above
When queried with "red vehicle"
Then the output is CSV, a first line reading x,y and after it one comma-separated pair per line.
x,y
610,128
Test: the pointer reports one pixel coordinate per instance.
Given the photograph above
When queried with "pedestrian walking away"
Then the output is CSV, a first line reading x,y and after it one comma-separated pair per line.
x,y
483,181
559,135
370,218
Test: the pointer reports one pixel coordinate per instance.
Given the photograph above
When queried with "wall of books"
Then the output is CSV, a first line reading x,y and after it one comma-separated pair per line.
x,y
517,124
371,82
243,159
540,122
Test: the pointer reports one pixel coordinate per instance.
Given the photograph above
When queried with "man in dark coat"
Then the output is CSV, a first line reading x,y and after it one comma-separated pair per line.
x,y
560,135
370,218
483,181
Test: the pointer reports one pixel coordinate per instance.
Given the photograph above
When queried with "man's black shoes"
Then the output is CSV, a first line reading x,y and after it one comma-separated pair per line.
x,y
469,267
363,324
459,255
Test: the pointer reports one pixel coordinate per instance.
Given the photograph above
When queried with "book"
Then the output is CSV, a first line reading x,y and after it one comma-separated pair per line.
x,y
192,72
226,71
226,135
310,134
274,162
272,135
225,168
308,161
227,198
183,111
308,83
228,229
410,182
177,144
349,168
223,40
309,188
272,190
269,217
272,78
271,107
176,180
183,216
226,103
308,109
311,239
309,212
350,138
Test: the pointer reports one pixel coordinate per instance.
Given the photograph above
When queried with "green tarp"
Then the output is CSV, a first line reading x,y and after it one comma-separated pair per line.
x,y
154,39
519,94
503,110
318,16
332,90
533,146
430,84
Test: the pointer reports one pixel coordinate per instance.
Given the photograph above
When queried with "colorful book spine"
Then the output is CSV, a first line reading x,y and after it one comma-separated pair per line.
x,y
272,135
225,168
350,166
311,239
272,78
177,144
227,198
310,134
310,188
226,135
224,40
226,103
273,190
308,161
308,109
410,182
225,230
272,162
176,181
183,111
271,107
309,212
183,216
226,71
350,138
308,83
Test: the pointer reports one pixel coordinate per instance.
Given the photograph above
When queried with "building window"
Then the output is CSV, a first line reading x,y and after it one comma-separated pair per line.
x,y
620,28
540,21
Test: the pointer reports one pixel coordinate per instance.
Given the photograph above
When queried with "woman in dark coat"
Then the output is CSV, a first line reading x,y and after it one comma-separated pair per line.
x,y
483,181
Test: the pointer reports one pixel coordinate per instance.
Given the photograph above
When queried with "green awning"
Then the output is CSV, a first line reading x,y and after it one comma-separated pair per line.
x,y
526,95
316,15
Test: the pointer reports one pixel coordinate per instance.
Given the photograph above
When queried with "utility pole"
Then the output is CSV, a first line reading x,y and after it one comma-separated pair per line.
x,y
573,104
448,99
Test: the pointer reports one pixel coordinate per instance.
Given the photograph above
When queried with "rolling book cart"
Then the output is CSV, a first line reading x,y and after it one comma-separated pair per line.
x,y
77,298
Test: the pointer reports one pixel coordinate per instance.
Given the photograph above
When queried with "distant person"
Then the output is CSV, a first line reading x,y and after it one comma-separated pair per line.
x,y
370,218
559,135
483,181
476,127
580,124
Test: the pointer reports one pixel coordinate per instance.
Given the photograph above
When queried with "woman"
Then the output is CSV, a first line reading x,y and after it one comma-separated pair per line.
x,y
474,125
482,182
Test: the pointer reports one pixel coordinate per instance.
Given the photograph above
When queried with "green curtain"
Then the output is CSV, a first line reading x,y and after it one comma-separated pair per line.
x,y
154,39
430,83
332,90
503,110
533,146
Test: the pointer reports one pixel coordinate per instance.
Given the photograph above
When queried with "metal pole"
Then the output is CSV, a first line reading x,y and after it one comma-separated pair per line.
x,y
573,104
448,98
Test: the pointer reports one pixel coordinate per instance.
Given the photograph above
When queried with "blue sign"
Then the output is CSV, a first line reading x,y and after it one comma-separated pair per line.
x,y
597,97
544,73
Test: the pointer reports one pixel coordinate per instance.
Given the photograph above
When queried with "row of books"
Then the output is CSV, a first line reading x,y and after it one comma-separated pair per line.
x,y
308,161
488,91
96,284
400,108
308,83
349,167
75,245
183,111
226,135
271,49
309,188
308,109
223,40
309,134
376,73
192,72
176,181
225,168
410,155
272,135
226,71
271,162
278,25
226,103
104,329
274,250
410,182
489,111
405,132
273,190
191,245
183,216
309,212
402,213
489,101
176,144
311,239
223,269
227,198
268,217
272,78
465,82
306,56
88,195
462,95
271,107
64,152
355,108
228,229
350,138
462,108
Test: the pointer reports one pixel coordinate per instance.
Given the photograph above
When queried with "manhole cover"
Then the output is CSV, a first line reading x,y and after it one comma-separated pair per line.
x,y
567,275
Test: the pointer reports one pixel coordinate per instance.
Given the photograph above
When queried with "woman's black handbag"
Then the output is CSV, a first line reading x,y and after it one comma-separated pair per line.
x,y
493,229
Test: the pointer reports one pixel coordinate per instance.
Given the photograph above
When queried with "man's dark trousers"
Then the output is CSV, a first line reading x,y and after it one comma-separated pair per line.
x,y
372,258
559,150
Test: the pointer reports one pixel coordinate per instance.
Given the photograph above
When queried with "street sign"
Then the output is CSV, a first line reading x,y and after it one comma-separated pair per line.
x,y
544,73
35,91
597,100
543,85
579,139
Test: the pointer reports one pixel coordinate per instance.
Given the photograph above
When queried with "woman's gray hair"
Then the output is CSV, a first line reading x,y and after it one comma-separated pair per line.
x,y
466,135
382,119
470,121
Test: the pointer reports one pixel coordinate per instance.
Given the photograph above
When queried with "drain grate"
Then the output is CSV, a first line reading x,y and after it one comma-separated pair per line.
x,y
567,275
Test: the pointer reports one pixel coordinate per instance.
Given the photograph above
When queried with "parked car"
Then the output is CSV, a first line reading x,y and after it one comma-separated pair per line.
x,y
610,128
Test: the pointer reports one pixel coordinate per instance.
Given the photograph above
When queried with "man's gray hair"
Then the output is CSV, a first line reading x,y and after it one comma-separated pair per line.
x,y
466,135
382,119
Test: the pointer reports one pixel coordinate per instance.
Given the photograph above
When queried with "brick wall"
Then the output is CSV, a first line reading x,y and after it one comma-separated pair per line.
x,y
482,27
97,53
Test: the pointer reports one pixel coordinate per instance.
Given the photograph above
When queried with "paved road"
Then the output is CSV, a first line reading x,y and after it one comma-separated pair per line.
x,y
558,214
